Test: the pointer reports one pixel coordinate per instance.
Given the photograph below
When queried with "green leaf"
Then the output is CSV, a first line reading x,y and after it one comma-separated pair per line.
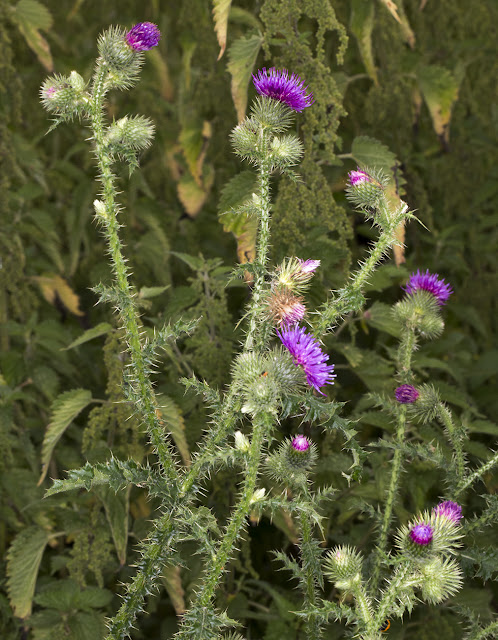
x,y
23,561
235,194
381,317
34,13
242,58
99,330
30,16
221,9
151,292
171,577
194,262
172,416
369,152
64,410
116,507
362,21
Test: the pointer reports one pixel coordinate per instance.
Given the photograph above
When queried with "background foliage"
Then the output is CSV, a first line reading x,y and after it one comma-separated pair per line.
x,y
409,86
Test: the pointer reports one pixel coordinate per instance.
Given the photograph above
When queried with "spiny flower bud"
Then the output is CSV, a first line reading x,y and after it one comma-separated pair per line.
x,y
406,394
366,188
300,454
241,441
129,133
358,177
449,510
427,535
279,86
343,566
295,274
64,95
285,151
285,308
420,311
440,579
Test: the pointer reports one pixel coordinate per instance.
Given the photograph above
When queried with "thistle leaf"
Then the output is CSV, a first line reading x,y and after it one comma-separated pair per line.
x,y
64,410
99,330
23,562
172,417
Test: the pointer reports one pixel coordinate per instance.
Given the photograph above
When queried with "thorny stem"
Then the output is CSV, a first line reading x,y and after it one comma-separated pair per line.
x,y
148,404
310,593
478,473
254,338
406,349
444,416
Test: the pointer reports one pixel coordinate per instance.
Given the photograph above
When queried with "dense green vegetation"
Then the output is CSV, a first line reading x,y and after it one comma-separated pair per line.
x,y
409,87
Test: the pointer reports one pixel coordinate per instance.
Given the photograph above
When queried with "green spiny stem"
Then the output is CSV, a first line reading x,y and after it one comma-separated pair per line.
x,y
444,416
262,424
128,312
491,631
313,629
402,580
405,353
254,339
478,473
349,298
363,605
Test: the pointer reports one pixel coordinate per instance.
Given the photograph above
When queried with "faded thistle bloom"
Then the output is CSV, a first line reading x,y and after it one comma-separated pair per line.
x,y
358,177
449,510
308,266
307,353
280,86
285,307
300,443
143,36
295,274
406,394
429,282
421,534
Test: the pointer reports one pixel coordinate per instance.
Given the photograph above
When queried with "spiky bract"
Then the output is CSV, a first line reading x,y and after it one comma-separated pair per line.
x,y
343,566
295,274
420,311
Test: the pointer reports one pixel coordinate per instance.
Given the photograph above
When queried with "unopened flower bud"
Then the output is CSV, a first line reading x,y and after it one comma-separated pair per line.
x,y
241,441
365,188
440,579
295,274
300,454
343,566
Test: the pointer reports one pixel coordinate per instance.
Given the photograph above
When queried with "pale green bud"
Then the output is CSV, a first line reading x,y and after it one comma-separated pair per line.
x,y
440,579
285,151
420,311
343,566
241,442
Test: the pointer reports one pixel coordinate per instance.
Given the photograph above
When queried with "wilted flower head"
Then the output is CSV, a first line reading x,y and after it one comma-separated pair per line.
x,y
300,443
280,86
421,534
308,266
406,394
429,282
358,177
143,36
306,352
285,307
449,510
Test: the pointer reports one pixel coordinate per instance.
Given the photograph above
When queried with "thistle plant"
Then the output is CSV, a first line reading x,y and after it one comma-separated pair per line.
x,y
282,369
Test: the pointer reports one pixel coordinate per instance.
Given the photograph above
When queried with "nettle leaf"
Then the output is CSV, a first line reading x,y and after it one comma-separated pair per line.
x,y
35,13
242,58
221,9
361,23
191,194
64,410
99,330
23,561
116,507
172,417
241,222
30,16
439,88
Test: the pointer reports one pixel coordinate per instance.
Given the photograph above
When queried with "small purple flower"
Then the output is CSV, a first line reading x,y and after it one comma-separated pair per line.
x,y
308,266
406,394
300,443
306,352
421,534
280,86
143,36
358,177
449,510
429,282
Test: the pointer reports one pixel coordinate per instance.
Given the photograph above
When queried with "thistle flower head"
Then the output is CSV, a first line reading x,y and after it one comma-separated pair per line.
x,y
300,443
278,85
449,510
406,394
143,36
343,566
295,274
285,307
440,579
307,353
358,177
429,282
421,534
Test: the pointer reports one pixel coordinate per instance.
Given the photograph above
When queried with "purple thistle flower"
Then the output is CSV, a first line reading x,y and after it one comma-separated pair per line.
x,y
300,443
429,282
307,353
406,394
358,177
308,266
421,534
278,85
449,510
143,36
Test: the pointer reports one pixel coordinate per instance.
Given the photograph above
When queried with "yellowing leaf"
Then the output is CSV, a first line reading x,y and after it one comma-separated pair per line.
x,y
221,9
242,58
235,213
440,90
54,288
31,15
362,21
395,11
160,65
192,196
173,582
